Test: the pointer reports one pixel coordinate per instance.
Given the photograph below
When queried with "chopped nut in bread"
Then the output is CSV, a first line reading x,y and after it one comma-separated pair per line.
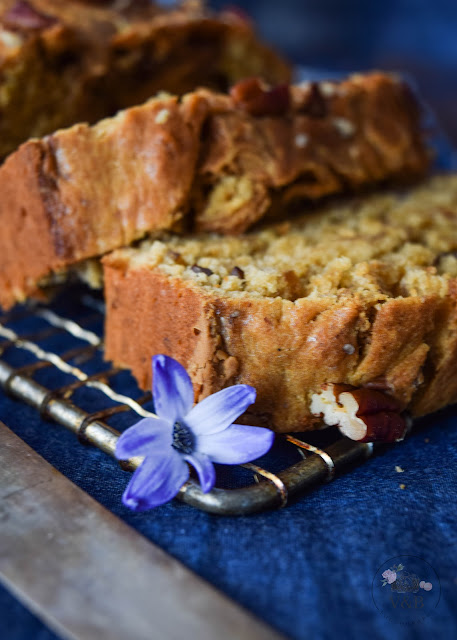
x,y
361,414
366,275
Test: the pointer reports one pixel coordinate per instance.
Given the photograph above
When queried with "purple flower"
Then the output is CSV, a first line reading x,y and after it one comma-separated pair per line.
x,y
200,436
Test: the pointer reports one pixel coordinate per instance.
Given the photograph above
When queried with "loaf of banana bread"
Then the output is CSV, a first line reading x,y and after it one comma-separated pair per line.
x,y
63,62
356,302
208,161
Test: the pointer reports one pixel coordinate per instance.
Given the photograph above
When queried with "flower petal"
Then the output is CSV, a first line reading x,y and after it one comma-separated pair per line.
x,y
156,481
204,468
236,445
146,435
171,388
217,412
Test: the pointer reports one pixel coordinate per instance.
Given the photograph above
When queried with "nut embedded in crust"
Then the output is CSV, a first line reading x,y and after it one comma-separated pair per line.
x,y
364,414
256,98
315,105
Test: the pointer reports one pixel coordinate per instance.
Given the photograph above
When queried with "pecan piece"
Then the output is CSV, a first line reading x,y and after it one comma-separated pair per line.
x,y
365,415
379,384
197,269
176,257
315,105
239,273
253,96
23,16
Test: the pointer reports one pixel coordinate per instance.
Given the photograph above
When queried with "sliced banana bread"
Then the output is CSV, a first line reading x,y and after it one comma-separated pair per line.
x,y
69,61
208,161
362,294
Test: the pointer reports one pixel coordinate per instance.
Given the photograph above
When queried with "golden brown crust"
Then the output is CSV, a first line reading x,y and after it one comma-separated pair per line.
x,y
356,311
90,190
79,61
203,159
26,244
365,130
285,350
439,387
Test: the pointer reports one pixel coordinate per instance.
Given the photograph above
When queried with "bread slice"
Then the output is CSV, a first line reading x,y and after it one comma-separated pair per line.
x,y
209,161
69,61
361,294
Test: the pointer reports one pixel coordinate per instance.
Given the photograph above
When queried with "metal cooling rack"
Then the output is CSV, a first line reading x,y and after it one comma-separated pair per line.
x,y
266,489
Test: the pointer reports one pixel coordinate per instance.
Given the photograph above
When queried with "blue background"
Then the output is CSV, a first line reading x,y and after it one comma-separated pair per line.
x,y
308,569
417,37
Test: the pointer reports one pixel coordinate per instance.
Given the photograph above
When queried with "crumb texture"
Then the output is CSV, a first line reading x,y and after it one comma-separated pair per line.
x,y
363,293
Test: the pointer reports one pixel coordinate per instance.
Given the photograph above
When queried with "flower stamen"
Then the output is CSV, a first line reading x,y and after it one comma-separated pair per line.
x,y
183,438
203,435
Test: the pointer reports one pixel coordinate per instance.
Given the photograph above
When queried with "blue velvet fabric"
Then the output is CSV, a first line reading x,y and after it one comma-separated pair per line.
x,y
307,569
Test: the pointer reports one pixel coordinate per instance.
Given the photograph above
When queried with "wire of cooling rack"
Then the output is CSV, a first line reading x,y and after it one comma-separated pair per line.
x,y
267,490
